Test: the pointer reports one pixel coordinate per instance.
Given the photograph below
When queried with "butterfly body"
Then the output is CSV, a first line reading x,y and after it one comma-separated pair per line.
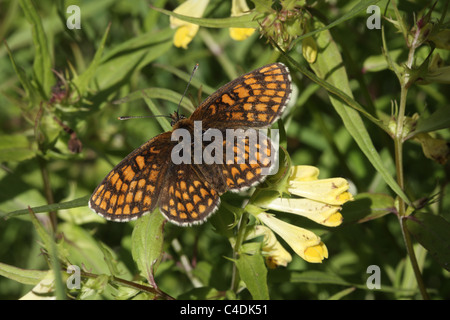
x,y
188,192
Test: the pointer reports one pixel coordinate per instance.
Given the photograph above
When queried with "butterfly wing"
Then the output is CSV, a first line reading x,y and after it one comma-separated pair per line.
x,y
133,187
256,99
248,160
187,196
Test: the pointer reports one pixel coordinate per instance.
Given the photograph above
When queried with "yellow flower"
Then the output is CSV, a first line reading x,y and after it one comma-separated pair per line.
x,y
325,214
309,49
321,202
239,8
273,252
186,31
332,191
322,199
304,242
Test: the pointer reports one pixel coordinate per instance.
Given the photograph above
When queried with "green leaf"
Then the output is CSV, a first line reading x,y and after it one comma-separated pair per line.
x,y
82,81
121,67
432,232
24,276
147,243
31,92
15,148
42,66
84,250
320,277
244,21
253,272
43,234
368,206
440,119
379,62
143,41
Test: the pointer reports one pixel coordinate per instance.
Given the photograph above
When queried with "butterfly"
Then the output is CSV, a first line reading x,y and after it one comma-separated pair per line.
x,y
188,192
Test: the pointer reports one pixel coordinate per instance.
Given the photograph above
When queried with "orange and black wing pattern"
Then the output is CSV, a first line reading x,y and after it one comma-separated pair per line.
x,y
256,100
134,185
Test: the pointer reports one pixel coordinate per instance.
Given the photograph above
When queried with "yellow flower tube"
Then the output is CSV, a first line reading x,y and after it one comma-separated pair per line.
x,y
304,242
239,8
322,213
186,31
272,250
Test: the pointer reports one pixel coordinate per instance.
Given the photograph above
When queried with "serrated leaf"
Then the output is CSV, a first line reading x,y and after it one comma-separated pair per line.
x,y
253,272
147,243
432,232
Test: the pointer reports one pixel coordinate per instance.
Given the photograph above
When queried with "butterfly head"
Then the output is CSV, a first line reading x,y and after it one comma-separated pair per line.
x,y
175,116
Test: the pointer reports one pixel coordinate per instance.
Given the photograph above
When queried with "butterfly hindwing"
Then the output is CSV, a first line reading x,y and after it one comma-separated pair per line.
x,y
187,197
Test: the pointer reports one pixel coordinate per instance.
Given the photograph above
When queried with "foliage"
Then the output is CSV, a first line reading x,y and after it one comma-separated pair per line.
x,y
369,104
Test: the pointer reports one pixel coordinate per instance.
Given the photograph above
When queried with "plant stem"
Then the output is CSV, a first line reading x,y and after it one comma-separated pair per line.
x,y
398,146
237,246
412,257
48,191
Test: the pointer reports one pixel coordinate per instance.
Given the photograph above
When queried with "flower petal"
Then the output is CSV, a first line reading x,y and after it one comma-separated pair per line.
x,y
325,214
184,35
304,242
304,173
272,250
239,8
331,191
240,34
191,8
186,30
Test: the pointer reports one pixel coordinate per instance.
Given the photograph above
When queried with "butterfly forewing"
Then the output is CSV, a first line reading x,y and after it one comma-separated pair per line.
x,y
256,99
134,185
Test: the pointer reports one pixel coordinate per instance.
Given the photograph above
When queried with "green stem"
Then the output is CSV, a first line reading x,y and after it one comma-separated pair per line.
x,y
237,246
398,146
48,191
412,258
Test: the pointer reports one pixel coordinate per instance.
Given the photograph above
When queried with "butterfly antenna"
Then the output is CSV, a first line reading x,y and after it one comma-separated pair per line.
x,y
185,90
